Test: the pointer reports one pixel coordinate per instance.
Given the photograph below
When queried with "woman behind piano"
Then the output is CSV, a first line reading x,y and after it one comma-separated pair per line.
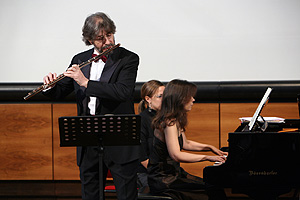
x,y
165,176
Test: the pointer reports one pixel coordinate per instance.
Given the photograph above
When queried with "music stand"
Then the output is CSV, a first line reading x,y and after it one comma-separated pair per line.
x,y
254,119
100,130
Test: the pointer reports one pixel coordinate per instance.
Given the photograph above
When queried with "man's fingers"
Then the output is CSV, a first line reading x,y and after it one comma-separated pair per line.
x,y
49,78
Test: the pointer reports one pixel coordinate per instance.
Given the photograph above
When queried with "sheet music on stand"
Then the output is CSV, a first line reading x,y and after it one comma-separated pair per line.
x,y
106,130
101,130
260,119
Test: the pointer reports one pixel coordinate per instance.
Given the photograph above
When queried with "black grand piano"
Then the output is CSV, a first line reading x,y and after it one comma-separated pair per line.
x,y
262,165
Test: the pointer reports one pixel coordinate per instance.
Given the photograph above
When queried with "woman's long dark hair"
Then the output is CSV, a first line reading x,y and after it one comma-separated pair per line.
x,y
176,95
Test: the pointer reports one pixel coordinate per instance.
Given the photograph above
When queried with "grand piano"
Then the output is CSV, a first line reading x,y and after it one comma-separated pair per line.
x,y
262,165
263,158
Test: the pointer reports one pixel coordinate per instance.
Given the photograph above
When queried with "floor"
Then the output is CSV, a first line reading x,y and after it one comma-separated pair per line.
x,y
71,190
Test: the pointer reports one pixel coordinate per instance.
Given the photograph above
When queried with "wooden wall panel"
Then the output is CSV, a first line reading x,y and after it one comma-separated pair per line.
x,y
27,130
284,110
229,117
203,127
231,112
25,142
136,108
64,158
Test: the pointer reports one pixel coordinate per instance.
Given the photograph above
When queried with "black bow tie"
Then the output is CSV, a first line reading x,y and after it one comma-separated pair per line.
x,y
103,58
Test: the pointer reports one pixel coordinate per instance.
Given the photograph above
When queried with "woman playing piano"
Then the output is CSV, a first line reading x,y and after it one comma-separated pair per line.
x,y
165,176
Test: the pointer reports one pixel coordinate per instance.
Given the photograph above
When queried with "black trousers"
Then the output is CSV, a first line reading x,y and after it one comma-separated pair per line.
x,y
124,176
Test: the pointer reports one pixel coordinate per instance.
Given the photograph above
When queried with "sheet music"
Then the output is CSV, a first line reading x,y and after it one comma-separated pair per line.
x,y
268,119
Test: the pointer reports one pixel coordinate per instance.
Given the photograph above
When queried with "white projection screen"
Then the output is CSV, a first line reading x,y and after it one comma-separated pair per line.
x,y
196,40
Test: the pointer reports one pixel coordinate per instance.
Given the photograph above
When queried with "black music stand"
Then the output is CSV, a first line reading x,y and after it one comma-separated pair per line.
x,y
100,130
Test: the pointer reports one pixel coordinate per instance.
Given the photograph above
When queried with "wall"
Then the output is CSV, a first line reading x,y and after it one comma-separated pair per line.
x,y
217,40
33,163
29,139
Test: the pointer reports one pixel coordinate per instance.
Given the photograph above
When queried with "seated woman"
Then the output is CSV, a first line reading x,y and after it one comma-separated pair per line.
x,y
151,94
165,176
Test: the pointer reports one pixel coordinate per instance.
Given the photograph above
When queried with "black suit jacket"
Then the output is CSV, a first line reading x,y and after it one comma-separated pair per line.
x,y
114,91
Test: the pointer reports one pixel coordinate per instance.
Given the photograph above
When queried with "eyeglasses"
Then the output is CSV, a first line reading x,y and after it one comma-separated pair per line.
x,y
102,37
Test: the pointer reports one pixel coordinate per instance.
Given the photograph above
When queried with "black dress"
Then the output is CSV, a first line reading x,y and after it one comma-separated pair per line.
x,y
165,176
146,135
146,144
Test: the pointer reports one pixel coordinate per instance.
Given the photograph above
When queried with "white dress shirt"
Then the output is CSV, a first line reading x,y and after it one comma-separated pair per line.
x,y
95,74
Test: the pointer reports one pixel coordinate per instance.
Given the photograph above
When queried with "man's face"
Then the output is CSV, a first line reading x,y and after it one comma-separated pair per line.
x,y
103,41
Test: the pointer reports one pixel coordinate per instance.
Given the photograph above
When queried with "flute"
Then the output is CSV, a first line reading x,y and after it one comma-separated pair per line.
x,y
61,76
